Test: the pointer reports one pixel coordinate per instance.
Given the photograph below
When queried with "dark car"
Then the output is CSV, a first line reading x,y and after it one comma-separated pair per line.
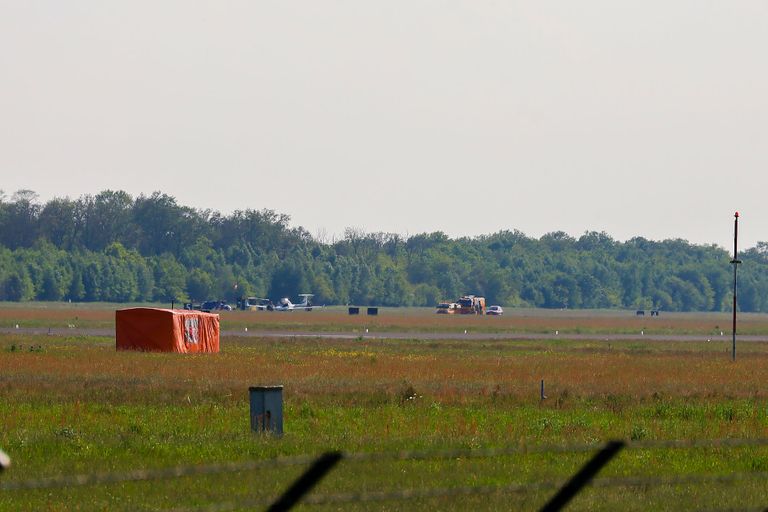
x,y
215,305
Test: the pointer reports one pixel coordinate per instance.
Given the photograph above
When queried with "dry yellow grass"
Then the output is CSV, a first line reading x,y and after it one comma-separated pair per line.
x,y
413,320
350,371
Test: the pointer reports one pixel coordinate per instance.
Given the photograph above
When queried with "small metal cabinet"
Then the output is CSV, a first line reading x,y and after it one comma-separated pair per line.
x,y
267,409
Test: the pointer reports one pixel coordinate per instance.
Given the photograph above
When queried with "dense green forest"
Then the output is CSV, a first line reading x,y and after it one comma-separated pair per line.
x,y
113,247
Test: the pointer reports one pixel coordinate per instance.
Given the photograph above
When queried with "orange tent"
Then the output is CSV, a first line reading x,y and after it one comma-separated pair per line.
x,y
166,330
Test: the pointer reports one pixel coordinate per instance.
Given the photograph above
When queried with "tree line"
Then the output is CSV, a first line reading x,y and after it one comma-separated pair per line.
x,y
114,247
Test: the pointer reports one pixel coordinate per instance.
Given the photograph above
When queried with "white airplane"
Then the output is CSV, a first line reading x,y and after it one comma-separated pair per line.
x,y
285,304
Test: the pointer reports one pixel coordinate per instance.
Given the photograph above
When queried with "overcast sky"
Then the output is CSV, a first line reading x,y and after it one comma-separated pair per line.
x,y
646,118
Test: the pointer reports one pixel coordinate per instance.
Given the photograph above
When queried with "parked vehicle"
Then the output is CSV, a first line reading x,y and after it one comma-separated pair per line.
x,y
214,305
467,305
256,304
447,308
495,311
471,305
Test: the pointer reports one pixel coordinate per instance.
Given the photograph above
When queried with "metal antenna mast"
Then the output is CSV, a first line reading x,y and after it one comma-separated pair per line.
x,y
735,262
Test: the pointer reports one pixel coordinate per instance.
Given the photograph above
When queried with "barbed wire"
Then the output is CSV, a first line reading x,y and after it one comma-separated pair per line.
x,y
154,474
696,443
655,481
405,455
551,448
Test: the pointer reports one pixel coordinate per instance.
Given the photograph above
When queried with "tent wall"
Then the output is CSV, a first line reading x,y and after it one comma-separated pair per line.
x,y
166,330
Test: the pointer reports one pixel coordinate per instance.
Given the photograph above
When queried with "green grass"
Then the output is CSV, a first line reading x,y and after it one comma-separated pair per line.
x,y
76,438
74,405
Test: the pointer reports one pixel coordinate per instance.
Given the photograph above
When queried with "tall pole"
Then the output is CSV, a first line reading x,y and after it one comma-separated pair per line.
x,y
735,262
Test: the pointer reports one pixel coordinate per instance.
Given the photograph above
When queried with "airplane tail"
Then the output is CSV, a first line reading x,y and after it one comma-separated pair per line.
x,y
306,300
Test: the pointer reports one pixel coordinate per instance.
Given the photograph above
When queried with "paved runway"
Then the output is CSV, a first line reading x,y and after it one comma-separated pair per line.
x,y
479,336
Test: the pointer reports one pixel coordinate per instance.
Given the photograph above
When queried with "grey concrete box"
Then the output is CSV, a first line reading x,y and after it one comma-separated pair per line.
x,y
267,409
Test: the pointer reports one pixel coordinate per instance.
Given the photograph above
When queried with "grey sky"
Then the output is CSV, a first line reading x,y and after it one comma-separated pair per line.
x,y
645,118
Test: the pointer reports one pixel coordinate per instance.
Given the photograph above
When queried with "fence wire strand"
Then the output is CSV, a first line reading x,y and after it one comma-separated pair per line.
x,y
154,474
359,457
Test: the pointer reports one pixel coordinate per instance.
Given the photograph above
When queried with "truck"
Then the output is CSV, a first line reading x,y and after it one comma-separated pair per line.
x,y
471,305
255,304
466,305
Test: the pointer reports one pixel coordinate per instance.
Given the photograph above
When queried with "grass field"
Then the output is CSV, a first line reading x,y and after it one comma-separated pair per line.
x,y
74,405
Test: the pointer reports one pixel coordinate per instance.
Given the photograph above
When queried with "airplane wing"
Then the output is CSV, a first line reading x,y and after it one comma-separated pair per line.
x,y
307,308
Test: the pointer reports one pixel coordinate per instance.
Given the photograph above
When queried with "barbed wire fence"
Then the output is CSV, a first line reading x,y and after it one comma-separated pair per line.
x,y
300,490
